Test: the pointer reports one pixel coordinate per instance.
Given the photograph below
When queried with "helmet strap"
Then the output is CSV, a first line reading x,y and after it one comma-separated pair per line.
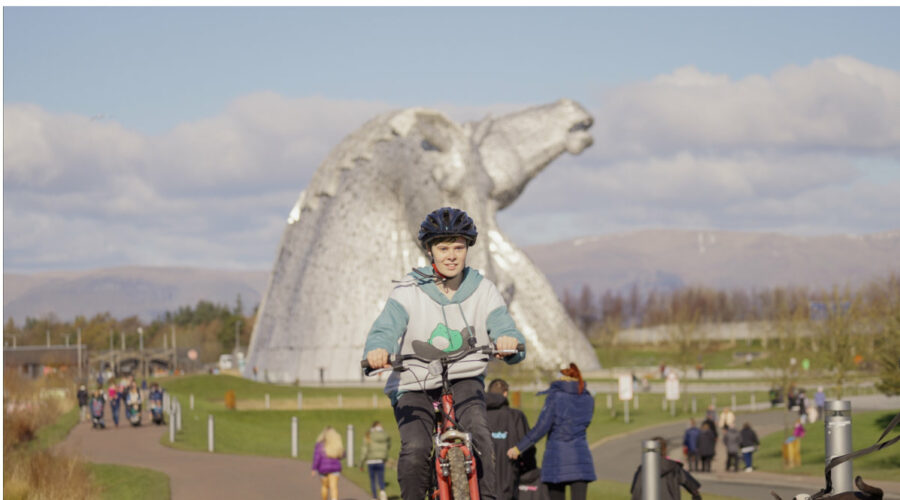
x,y
434,266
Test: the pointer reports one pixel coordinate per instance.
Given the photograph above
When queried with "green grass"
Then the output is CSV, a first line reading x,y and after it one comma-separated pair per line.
x,y
268,432
884,465
51,434
136,483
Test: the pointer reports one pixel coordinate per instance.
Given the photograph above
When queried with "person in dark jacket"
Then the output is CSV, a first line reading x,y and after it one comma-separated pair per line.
x,y
749,445
706,446
507,426
567,412
690,445
82,401
672,477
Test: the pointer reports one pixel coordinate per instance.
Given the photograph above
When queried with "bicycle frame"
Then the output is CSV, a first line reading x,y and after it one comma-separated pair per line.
x,y
446,437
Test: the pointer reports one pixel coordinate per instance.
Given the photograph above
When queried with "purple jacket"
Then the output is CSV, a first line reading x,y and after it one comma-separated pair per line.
x,y
322,463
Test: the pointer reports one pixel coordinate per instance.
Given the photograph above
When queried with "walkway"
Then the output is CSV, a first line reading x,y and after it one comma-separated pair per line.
x,y
617,459
198,475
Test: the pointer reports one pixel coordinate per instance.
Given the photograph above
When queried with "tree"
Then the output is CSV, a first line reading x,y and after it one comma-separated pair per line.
x,y
836,329
888,357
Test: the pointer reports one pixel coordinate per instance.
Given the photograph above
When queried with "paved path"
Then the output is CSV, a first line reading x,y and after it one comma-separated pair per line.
x,y
198,475
617,458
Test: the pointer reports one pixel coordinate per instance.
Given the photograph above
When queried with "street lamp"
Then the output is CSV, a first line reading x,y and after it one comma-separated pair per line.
x,y
237,338
141,336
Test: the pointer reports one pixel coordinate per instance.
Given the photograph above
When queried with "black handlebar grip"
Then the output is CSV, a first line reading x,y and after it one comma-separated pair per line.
x,y
364,364
520,347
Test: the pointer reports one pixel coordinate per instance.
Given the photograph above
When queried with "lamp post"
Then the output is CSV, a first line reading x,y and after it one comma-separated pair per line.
x,y
237,337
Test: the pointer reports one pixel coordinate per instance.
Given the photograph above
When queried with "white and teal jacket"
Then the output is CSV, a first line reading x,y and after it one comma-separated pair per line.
x,y
417,310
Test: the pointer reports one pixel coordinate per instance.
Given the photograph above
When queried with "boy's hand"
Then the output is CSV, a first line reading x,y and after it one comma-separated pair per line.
x,y
378,358
505,343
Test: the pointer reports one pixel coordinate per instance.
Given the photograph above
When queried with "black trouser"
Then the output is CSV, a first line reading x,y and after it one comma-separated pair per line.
x,y
705,461
732,460
415,418
558,490
693,460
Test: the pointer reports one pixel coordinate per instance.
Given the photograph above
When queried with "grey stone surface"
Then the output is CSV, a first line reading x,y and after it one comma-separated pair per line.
x,y
354,229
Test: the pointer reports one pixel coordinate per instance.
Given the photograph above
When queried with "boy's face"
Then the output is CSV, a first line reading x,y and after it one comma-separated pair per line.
x,y
450,257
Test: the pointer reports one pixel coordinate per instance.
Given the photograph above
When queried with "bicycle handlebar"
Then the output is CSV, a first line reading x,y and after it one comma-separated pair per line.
x,y
395,362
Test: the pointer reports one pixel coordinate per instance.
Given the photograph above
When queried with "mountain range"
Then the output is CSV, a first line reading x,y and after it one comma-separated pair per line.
x,y
652,259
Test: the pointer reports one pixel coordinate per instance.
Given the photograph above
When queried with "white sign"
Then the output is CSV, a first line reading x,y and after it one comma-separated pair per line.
x,y
625,388
673,392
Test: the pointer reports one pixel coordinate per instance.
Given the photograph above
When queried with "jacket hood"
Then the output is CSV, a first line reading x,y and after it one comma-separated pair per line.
x,y
668,466
495,401
424,278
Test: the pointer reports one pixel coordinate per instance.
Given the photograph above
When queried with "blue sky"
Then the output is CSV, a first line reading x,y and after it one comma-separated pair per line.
x,y
109,103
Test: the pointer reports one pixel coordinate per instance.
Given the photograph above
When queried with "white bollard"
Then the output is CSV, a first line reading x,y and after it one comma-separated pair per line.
x,y
171,428
733,401
350,445
752,402
267,400
299,400
637,402
340,400
210,434
693,405
626,412
178,416
192,402
294,437
609,401
374,401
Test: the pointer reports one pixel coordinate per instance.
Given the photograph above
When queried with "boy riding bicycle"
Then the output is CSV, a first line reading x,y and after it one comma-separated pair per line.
x,y
442,305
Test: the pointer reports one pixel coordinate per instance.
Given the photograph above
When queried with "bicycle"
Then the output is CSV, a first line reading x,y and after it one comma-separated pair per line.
x,y
454,475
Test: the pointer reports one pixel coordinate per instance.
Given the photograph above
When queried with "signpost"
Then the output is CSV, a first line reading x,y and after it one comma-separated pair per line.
x,y
626,392
673,391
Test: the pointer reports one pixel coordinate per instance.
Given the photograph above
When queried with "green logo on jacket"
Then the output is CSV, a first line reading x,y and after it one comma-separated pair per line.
x,y
445,339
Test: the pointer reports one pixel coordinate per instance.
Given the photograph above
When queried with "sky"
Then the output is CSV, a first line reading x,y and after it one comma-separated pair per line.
x,y
183,136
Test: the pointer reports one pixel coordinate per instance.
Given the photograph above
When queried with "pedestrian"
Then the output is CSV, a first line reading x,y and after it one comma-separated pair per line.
x,y
507,426
801,403
819,398
82,396
327,457
376,445
732,441
672,477
567,412
114,403
726,418
706,446
710,420
690,445
749,445
699,370
799,430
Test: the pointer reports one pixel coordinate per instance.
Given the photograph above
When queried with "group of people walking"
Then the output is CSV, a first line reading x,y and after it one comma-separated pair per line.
x,y
122,394
699,444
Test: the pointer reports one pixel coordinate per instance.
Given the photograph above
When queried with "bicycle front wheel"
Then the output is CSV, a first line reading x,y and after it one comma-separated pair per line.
x,y
459,480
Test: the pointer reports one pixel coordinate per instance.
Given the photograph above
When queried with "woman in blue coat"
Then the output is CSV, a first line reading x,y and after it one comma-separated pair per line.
x,y
567,412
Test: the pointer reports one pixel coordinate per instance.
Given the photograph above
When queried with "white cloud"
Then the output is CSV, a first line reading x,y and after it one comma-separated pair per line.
x,y
686,149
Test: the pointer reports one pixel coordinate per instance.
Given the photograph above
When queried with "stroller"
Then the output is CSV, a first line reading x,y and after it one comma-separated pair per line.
x,y
156,411
133,408
97,412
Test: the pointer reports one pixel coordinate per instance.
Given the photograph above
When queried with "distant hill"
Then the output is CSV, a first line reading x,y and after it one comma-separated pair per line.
x,y
654,259
669,259
125,291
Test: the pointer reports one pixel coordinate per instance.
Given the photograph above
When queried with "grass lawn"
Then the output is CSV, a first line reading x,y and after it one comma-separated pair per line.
x,y
116,481
268,432
884,465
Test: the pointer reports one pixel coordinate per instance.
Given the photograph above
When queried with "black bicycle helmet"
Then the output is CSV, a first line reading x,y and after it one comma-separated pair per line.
x,y
447,221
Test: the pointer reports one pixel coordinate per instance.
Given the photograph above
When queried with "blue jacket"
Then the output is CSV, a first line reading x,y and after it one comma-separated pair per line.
x,y
564,419
690,438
